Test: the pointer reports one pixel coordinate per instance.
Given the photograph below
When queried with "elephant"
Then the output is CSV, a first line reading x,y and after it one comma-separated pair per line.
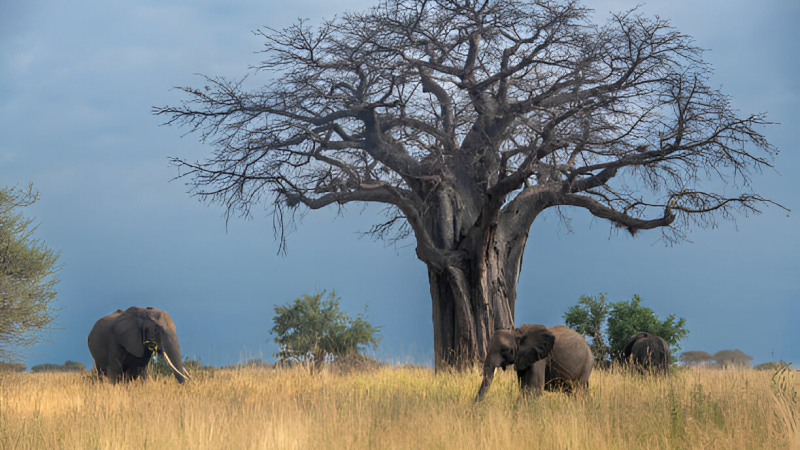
x,y
123,342
648,352
552,359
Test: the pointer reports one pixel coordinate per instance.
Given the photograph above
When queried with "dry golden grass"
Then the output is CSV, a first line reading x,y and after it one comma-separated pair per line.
x,y
401,408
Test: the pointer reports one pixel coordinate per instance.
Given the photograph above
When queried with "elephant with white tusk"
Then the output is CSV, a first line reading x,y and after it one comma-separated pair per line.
x,y
123,342
552,359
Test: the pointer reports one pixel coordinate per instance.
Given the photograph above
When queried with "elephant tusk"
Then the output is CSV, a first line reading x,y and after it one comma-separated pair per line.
x,y
183,374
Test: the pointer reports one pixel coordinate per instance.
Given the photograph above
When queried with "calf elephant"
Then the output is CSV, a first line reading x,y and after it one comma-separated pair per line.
x,y
555,358
123,342
649,352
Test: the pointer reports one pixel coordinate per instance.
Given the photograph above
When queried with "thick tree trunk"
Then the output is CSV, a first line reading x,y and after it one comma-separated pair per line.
x,y
468,305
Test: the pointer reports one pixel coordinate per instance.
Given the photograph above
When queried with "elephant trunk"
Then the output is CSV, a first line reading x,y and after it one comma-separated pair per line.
x,y
488,376
172,354
181,375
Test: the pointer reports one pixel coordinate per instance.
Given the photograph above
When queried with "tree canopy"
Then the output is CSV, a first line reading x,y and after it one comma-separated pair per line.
x,y
695,357
468,118
28,276
609,325
311,328
732,359
724,359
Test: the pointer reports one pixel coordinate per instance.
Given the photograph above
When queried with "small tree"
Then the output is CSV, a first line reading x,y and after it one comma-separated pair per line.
x,y
28,275
589,317
735,359
695,358
615,322
311,329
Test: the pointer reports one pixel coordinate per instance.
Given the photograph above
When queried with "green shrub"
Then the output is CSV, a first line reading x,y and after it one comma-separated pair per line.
x,y
312,329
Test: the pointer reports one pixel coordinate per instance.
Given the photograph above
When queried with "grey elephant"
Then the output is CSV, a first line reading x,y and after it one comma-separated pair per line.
x,y
123,342
552,359
648,352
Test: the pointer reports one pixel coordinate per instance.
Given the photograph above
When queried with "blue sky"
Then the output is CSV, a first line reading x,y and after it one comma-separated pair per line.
x,y
78,80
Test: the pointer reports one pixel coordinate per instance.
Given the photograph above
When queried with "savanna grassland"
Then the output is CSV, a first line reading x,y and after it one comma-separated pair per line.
x,y
397,408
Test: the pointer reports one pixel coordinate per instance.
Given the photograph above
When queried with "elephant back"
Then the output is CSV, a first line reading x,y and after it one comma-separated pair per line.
x,y
652,351
102,327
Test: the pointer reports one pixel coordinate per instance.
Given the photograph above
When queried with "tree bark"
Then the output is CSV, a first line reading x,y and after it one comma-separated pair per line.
x,y
469,304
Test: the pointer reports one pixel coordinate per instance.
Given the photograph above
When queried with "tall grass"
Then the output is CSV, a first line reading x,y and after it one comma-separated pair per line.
x,y
397,408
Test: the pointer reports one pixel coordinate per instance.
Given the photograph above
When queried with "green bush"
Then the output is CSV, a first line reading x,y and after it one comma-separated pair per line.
x,y
772,365
312,329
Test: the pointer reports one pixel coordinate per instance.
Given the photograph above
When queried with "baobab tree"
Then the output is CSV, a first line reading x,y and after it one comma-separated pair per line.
x,y
467,119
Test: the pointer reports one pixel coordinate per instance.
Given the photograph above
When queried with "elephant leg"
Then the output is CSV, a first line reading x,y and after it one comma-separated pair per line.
x,y
522,375
523,378
99,369
114,372
132,371
537,377
531,380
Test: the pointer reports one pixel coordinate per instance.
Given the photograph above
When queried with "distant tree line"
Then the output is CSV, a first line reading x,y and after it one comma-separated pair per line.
x,y
68,366
725,359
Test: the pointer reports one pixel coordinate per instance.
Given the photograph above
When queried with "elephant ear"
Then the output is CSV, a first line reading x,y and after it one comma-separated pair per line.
x,y
129,334
534,346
